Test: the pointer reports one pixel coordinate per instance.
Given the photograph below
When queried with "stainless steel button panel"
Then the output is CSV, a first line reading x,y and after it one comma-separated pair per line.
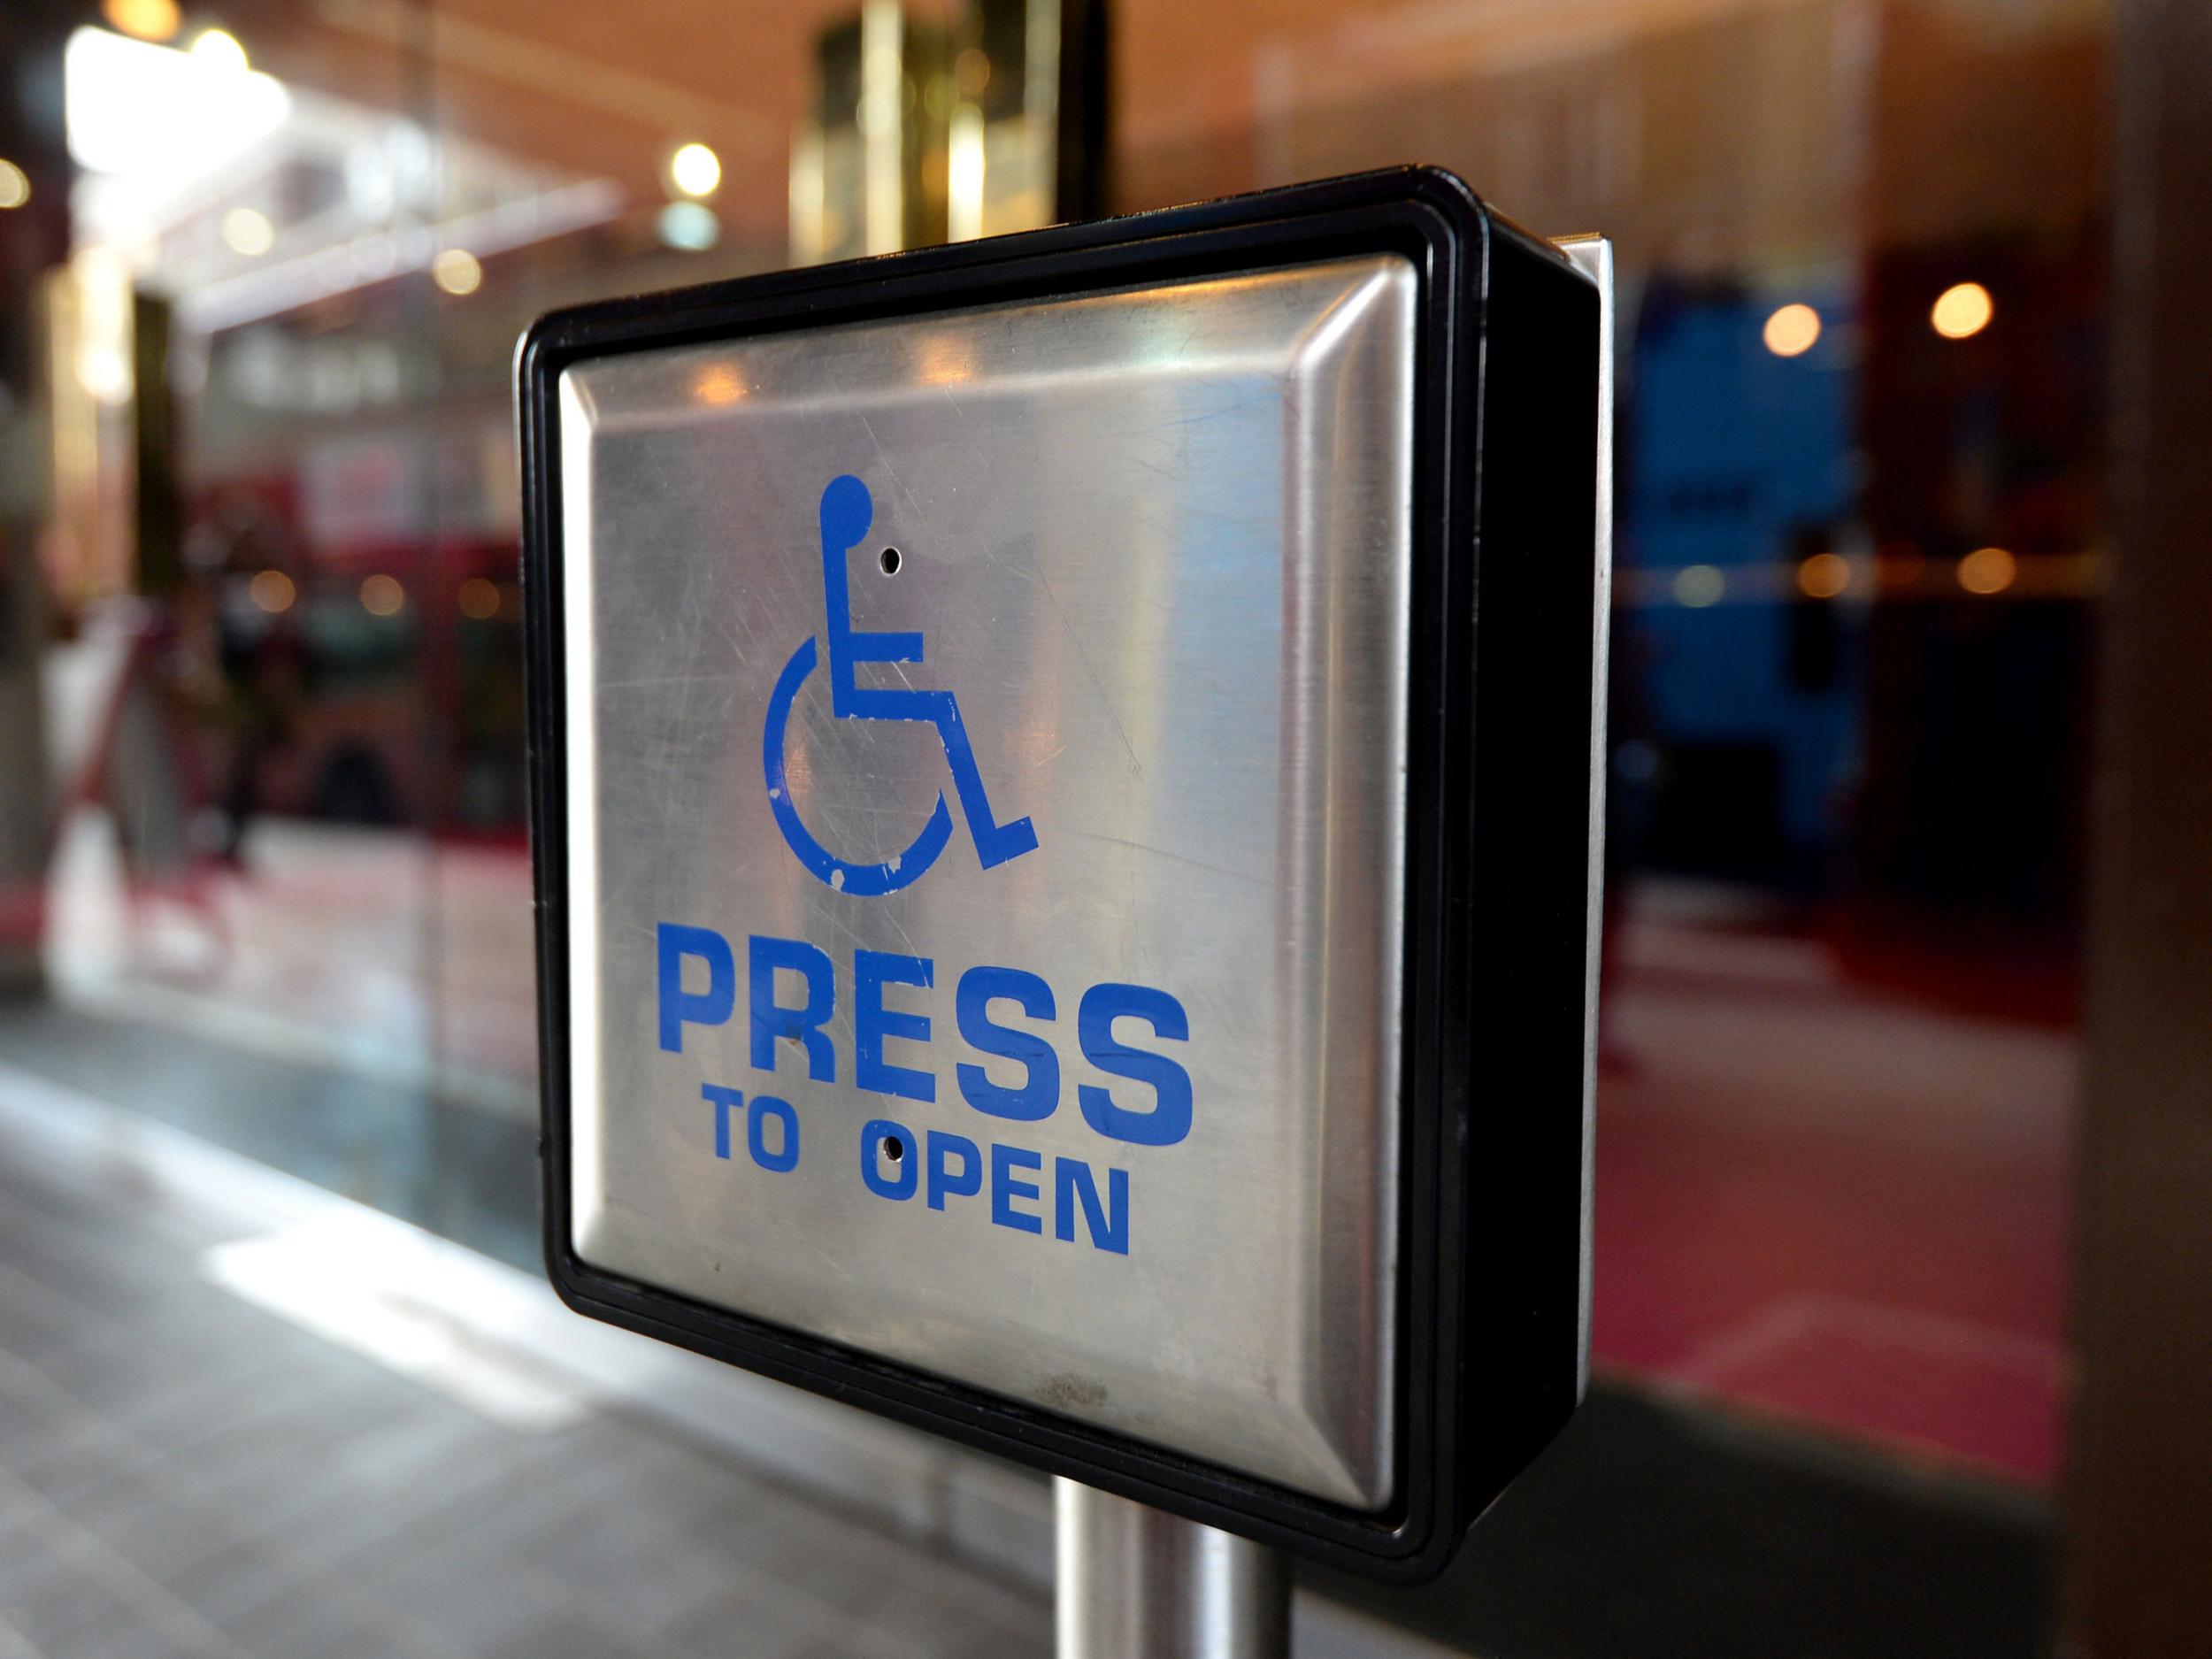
x,y
1116,704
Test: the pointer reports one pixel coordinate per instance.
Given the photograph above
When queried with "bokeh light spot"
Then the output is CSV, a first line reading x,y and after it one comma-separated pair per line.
x,y
1824,576
690,225
272,591
144,19
695,170
1698,585
480,599
1792,331
1987,570
219,49
457,271
248,232
1961,310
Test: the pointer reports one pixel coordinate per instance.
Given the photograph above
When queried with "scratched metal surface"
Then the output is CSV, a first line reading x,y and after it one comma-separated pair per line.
x,y
1156,544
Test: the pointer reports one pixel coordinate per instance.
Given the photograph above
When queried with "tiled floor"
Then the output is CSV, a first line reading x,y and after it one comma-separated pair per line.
x,y
182,1473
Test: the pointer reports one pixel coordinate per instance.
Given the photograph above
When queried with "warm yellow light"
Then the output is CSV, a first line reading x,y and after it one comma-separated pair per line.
x,y
457,271
717,384
1698,585
382,596
15,185
145,20
1987,570
1962,308
1824,576
247,231
272,590
965,154
219,49
105,375
945,360
480,599
695,170
1790,331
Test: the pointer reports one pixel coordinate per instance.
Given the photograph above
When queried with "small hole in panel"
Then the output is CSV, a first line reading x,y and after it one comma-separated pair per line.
x,y
890,560
894,1148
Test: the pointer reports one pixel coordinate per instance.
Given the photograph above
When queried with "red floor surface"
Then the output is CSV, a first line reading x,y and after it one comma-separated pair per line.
x,y
1832,1205
1814,1196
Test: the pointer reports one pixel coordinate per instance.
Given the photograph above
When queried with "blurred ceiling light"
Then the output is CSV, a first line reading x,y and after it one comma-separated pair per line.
x,y
219,49
382,596
1824,576
269,289
689,225
144,19
272,590
164,116
1961,310
480,599
1698,585
457,271
248,232
695,170
105,375
15,185
102,279
965,148
1790,331
102,266
1987,570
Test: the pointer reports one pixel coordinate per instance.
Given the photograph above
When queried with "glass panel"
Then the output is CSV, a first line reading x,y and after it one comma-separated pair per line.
x,y
242,548
1863,270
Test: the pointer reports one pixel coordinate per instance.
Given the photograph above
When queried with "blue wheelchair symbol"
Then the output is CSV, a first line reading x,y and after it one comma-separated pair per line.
x,y
846,512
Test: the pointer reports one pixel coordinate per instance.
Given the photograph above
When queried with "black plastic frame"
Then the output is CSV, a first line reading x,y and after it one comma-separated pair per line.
x,y
1496,906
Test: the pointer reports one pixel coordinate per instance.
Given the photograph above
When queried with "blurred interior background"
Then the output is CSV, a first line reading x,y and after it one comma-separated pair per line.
x,y
262,863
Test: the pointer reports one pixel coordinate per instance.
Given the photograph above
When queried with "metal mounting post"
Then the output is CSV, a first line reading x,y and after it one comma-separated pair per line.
x,y
1136,1583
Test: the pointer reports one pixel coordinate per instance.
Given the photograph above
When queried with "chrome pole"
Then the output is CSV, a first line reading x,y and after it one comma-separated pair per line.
x,y
1134,1583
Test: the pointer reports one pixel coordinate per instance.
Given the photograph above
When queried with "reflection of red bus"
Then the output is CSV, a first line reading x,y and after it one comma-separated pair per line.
x,y
409,704
415,708
395,535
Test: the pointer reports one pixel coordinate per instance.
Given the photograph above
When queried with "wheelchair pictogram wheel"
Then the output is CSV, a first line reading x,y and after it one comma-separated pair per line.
x,y
864,880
